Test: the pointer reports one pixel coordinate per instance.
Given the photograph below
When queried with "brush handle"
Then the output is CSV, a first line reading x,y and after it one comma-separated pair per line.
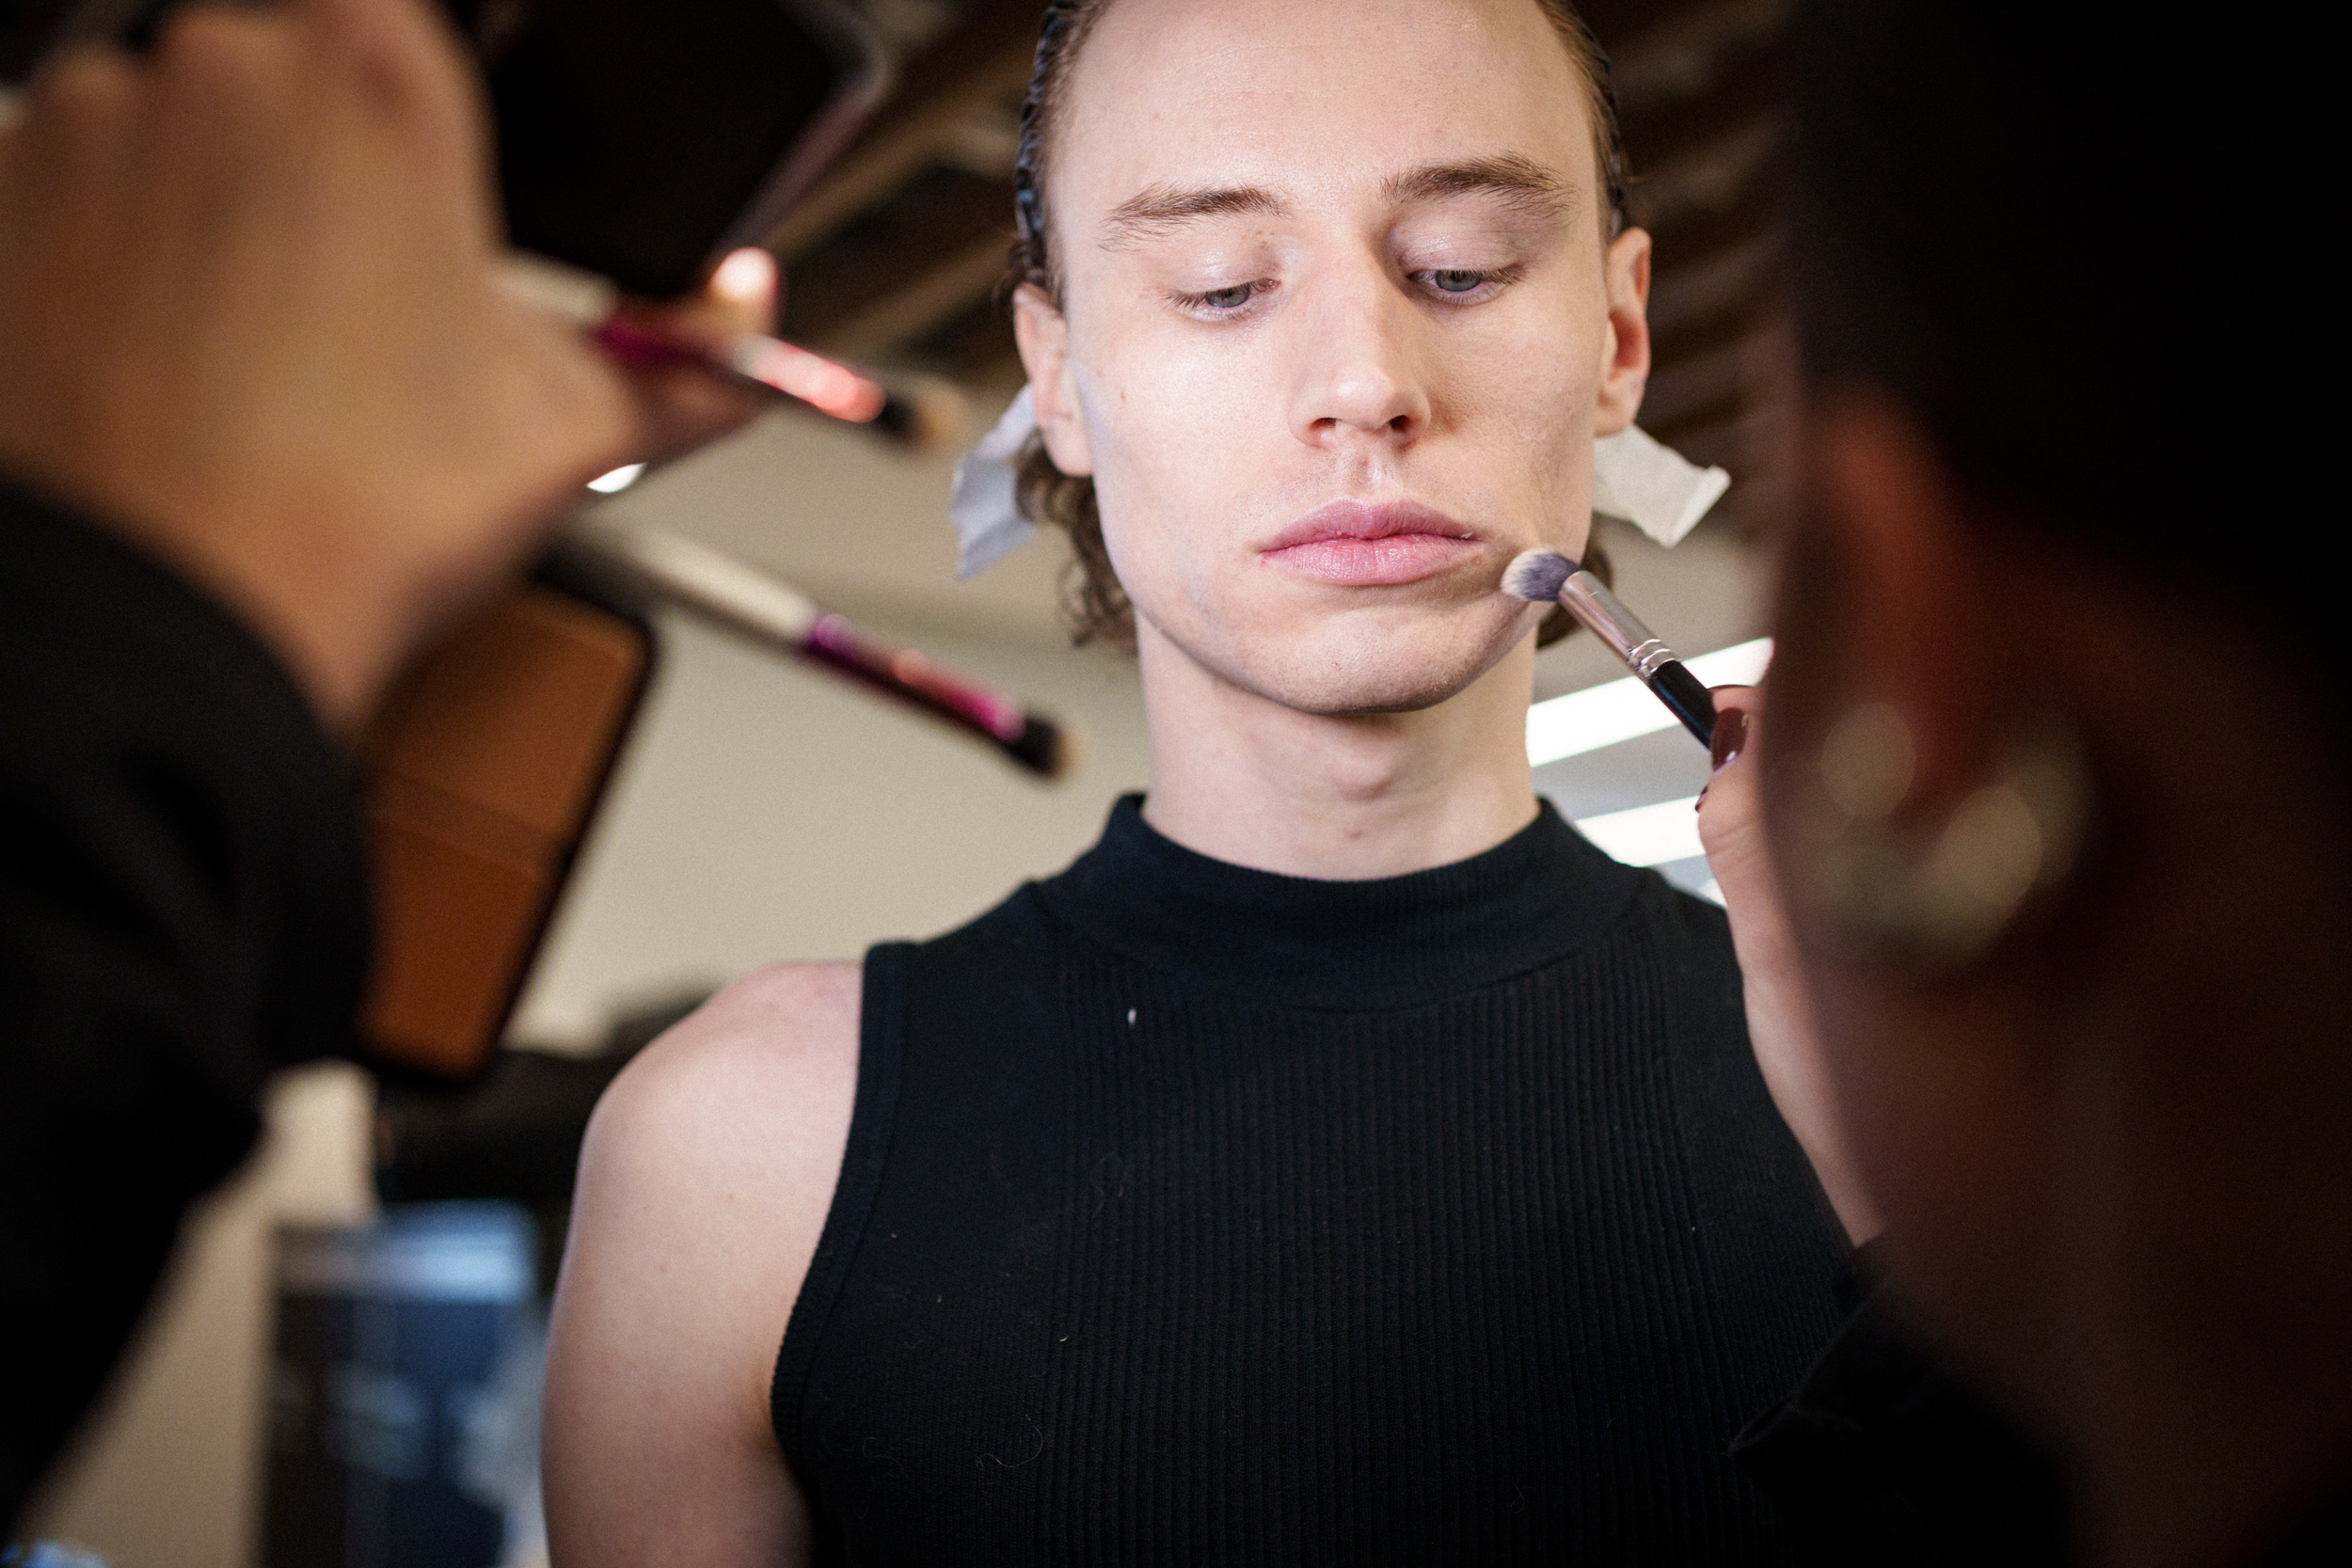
x,y
1606,617
1686,697
692,575
750,603
1028,738
768,363
915,678
1589,600
923,417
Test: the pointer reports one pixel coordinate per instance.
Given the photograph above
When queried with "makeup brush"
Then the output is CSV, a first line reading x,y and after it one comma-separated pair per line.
x,y
1544,577
924,414
750,603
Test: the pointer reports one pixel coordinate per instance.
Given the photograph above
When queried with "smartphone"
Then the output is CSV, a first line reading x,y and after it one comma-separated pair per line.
x,y
638,139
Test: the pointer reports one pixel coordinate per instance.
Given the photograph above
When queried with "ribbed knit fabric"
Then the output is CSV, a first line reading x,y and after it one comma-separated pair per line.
x,y
1195,1214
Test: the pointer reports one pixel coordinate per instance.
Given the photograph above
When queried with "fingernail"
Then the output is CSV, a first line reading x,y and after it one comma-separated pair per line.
x,y
1731,733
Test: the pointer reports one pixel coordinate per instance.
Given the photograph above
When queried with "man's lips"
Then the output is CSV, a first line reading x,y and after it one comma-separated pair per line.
x,y
1359,545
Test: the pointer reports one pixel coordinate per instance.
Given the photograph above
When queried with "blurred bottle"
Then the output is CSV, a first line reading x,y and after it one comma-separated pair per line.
x,y
404,1419
49,1554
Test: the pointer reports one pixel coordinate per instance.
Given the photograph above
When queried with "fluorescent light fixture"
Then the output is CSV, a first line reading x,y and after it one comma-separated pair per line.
x,y
1648,835
1625,709
618,480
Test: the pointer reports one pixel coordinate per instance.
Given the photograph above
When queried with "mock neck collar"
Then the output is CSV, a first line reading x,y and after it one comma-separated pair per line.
x,y
1394,941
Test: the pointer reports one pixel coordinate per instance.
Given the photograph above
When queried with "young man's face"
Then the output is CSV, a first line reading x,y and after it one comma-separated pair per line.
x,y
1341,327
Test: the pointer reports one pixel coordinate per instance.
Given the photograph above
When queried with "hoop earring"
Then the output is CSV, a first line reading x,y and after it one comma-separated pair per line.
x,y
1936,898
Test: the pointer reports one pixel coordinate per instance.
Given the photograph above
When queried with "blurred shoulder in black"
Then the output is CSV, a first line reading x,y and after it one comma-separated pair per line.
x,y
182,912
2077,251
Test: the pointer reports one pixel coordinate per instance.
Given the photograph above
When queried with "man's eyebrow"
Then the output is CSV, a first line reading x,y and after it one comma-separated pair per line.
x,y
1159,208
1519,181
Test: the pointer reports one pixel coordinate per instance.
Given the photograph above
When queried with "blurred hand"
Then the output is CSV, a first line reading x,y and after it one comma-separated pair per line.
x,y
679,408
249,317
1780,1013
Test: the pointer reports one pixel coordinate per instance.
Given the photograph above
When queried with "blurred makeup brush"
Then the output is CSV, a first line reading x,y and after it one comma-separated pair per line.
x,y
647,563
1546,577
922,415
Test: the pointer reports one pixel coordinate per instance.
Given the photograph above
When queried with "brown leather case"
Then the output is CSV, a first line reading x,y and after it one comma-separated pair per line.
x,y
484,768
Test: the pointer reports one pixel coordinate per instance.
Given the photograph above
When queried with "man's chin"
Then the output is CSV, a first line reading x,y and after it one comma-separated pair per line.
x,y
1357,678
1341,698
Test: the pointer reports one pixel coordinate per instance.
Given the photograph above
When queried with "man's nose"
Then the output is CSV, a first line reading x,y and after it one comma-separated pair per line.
x,y
1359,366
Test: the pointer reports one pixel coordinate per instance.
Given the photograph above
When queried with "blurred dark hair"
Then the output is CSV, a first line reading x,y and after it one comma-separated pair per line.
x,y
2015,219
1093,602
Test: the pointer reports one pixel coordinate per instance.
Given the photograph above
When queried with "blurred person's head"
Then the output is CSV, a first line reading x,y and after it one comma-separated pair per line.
x,y
2055,748
1281,257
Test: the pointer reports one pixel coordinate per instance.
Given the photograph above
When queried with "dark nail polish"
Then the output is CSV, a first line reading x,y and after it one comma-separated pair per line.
x,y
1731,733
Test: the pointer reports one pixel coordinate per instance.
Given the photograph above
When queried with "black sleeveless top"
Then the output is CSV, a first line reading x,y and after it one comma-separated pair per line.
x,y
1196,1214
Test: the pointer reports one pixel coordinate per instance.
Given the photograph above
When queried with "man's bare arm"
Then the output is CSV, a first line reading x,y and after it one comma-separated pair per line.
x,y
705,1182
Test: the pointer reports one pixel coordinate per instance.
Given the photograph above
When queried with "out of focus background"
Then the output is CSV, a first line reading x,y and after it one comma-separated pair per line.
x,y
285,1404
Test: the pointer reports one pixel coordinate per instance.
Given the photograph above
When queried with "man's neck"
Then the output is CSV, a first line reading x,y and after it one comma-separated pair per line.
x,y
1242,779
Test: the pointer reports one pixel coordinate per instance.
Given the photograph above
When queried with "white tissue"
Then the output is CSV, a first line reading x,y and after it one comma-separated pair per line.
x,y
1639,480
989,524
1636,478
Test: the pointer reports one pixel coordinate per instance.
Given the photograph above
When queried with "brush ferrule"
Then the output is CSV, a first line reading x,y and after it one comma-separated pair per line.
x,y
1589,600
1645,660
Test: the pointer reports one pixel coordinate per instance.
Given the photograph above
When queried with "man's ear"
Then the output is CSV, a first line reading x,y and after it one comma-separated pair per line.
x,y
1923,629
1043,334
1625,362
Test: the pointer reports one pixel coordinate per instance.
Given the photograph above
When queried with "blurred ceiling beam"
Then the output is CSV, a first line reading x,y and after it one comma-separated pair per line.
x,y
942,212
1727,282
985,56
1697,90
1686,56
916,308
1686,392
1712,178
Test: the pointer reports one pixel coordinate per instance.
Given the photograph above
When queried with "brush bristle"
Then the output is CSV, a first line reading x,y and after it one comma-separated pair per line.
x,y
925,414
1046,748
1537,576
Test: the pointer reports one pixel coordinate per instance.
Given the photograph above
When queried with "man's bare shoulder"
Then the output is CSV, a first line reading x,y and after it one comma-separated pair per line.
x,y
722,1142
764,1058
707,1173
